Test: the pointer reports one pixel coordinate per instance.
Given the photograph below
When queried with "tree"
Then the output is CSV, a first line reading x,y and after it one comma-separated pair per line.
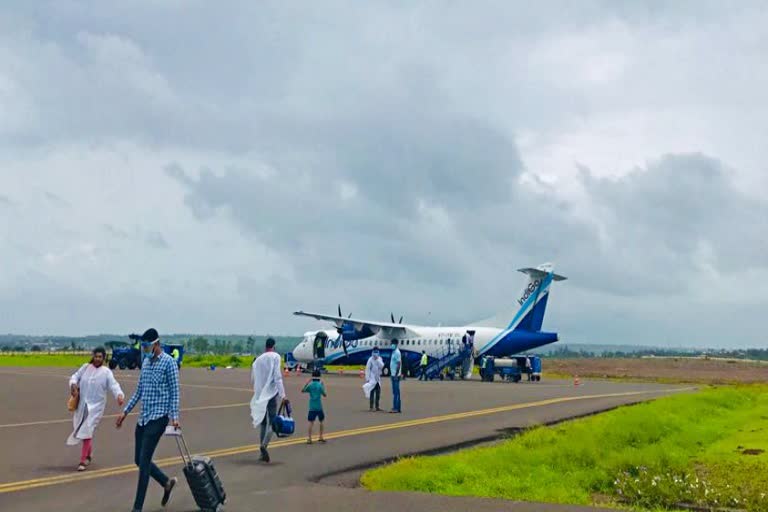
x,y
199,344
36,348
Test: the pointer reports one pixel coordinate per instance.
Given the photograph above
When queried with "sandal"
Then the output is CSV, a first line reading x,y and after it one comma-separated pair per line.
x,y
309,441
81,467
322,441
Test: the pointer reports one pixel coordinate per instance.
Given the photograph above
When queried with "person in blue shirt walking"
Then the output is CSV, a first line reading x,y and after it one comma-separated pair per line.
x,y
158,390
395,372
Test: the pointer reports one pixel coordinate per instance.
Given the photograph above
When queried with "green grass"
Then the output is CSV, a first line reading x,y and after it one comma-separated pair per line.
x,y
204,361
190,360
33,359
638,449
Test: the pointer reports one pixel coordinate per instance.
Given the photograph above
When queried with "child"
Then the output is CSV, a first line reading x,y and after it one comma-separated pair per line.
x,y
316,390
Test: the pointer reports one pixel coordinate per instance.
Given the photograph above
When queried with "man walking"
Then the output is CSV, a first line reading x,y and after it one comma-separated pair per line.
x,y
268,393
372,386
423,366
395,371
158,390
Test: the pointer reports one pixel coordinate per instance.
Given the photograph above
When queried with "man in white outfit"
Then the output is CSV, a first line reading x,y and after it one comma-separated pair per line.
x,y
372,386
268,393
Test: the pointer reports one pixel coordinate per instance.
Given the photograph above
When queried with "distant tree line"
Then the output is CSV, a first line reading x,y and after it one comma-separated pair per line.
x,y
200,344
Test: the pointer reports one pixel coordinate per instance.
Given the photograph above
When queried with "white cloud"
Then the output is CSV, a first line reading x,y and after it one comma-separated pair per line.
x,y
386,157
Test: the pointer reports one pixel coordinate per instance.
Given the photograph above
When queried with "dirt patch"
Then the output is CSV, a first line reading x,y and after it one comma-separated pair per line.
x,y
662,369
752,451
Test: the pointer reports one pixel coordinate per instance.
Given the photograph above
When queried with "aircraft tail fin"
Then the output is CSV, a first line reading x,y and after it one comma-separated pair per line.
x,y
532,300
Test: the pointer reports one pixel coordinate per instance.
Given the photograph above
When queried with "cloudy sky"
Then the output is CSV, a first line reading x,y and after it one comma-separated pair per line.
x,y
202,168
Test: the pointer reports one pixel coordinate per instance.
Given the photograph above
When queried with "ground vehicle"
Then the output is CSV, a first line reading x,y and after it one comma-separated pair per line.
x,y
127,355
168,349
124,355
510,368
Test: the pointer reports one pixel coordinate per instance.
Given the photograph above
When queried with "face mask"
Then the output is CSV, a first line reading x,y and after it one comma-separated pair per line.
x,y
394,347
150,353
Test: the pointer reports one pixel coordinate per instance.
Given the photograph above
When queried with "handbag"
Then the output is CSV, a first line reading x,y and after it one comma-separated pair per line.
x,y
283,424
73,401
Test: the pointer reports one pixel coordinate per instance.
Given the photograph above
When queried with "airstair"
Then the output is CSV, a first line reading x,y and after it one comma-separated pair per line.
x,y
449,358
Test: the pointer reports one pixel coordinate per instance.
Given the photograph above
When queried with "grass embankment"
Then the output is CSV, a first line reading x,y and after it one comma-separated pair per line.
x,y
36,359
708,448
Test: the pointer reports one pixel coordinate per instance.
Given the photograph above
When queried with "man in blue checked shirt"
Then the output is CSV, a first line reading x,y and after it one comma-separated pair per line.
x,y
158,390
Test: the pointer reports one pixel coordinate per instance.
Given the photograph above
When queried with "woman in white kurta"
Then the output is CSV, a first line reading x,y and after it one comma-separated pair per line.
x,y
91,382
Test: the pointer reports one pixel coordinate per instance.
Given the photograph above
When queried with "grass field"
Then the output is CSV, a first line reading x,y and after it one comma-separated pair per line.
x,y
75,360
37,359
708,449
669,370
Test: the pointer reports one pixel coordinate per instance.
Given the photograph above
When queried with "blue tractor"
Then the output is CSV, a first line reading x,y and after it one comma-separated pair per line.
x,y
128,355
124,355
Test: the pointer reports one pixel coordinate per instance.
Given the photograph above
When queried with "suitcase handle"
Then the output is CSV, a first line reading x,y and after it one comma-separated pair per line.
x,y
181,443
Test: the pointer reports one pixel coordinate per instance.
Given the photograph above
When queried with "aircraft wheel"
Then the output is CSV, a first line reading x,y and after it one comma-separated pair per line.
x,y
385,371
112,364
121,364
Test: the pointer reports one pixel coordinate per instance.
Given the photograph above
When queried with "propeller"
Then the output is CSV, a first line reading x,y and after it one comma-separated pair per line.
x,y
392,316
340,331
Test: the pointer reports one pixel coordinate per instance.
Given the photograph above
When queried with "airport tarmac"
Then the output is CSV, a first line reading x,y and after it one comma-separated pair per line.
x,y
38,468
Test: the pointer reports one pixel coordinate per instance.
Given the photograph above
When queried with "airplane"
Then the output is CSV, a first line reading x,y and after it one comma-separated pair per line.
x,y
353,340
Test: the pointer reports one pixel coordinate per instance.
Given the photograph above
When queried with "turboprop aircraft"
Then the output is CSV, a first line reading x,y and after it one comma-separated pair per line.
x,y
352,340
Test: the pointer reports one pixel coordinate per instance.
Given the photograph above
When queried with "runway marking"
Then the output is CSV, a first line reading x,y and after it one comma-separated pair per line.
x,y
227,452
69,420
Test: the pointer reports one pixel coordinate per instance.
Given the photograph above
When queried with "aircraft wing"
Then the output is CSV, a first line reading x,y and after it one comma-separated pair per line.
x,y
387,329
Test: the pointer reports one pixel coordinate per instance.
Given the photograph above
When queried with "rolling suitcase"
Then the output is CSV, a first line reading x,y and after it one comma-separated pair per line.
x,y
202,478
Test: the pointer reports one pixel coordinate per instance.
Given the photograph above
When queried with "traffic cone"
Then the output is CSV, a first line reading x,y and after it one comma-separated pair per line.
x,y
576,380
361,373
341,371
286,372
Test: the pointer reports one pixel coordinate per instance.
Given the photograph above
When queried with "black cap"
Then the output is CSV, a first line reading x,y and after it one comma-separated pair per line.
x,y
150,335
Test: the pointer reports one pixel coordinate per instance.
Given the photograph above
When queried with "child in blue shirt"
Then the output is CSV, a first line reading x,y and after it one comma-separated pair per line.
x,y
316,390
